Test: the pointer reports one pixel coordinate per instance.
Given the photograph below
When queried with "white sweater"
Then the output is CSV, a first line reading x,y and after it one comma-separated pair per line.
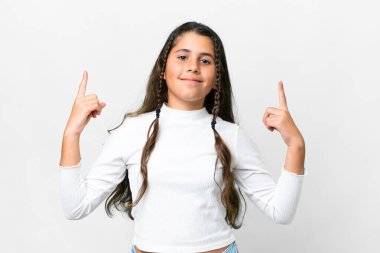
x,y
181,210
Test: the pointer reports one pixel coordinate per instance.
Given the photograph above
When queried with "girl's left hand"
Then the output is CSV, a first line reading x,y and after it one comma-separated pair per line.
x,y
281,120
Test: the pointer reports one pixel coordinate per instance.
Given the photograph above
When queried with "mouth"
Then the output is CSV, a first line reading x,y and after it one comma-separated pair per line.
x,y
192,80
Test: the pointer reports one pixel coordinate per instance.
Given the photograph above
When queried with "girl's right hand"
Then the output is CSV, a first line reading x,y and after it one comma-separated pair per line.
x,y
84,108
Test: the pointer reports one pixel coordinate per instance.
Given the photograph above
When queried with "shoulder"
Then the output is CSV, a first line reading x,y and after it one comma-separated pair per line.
x,y
236,135
226,127
141,119
130,133
133,125
228,131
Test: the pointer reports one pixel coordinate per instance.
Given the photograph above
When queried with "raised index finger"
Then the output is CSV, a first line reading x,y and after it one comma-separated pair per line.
x,y
83,84
282,97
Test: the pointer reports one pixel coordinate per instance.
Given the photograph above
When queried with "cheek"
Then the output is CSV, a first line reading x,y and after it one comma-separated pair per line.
x,y
210,75
172,70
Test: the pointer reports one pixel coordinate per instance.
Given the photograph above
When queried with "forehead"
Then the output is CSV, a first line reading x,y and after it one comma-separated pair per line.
x,y
194,42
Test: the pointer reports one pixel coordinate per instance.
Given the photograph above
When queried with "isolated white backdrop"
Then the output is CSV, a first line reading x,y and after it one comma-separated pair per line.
x,y
326,52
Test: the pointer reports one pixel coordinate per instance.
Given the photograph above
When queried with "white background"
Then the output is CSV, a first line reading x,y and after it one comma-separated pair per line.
x,y
326,52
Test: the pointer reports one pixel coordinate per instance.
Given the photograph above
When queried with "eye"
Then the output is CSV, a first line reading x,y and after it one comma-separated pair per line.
x,y
206,61
181,57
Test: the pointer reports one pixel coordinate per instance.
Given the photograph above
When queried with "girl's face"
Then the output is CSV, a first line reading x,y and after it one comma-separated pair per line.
x,y
190,71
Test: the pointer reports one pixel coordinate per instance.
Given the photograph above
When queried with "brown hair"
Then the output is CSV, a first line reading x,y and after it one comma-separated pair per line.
x,y
218,102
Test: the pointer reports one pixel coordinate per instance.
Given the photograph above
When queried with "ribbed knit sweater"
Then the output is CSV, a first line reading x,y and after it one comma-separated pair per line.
x,y
181,210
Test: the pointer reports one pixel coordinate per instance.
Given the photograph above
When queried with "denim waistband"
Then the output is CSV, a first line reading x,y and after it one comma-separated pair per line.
x,y
232,248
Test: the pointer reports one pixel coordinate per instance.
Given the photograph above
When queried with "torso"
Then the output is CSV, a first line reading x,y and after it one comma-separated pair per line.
x,y
205,178
211,251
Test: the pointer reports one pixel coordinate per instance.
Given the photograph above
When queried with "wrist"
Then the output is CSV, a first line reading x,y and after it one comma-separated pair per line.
x,y
71,134
298,143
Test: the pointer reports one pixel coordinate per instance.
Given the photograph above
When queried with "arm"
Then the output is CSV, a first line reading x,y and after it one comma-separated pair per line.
x,y
80,195
70,151
295,159
277,201
279,119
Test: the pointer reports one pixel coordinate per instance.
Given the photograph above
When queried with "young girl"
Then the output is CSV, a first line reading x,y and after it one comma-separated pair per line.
x,y
177,165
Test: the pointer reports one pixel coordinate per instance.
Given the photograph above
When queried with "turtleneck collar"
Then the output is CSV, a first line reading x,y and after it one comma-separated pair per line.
x,y
169,113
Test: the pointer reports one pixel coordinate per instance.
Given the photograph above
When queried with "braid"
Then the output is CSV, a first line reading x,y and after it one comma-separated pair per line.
x,y
164,58
215,109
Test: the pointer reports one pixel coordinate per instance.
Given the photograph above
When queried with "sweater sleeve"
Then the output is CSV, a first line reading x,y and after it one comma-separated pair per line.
x,y
80,194
277,201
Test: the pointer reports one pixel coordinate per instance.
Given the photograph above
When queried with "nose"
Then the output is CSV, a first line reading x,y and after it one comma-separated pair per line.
x,y
193,66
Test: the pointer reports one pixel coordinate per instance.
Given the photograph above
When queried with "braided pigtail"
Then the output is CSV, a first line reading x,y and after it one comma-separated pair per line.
x,y
229,195
151,139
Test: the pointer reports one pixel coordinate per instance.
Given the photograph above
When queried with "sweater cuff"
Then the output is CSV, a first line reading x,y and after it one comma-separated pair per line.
x,y
299,175
73,166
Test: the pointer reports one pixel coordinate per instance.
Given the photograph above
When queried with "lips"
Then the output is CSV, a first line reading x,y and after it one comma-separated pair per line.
x,y
190,79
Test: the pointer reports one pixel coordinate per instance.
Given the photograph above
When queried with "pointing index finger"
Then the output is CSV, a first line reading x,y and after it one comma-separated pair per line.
x,y
83,85
282,97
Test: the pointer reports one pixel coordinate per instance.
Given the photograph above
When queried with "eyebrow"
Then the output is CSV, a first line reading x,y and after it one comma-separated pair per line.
x,y
189,51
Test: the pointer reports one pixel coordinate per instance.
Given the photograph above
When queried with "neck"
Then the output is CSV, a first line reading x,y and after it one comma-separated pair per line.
x,y
179,115
185,106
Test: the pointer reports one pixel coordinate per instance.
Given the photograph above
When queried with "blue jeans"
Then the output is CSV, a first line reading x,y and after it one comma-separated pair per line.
x,y
232,248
